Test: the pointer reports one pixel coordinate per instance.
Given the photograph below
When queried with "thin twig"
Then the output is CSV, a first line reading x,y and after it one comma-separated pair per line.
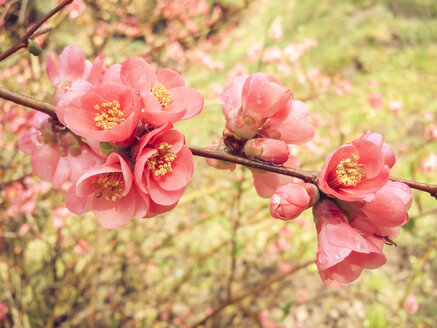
x,y
22,43
252,291
307,176
30,102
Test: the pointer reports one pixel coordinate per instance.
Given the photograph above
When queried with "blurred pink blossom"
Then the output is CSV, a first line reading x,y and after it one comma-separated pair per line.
x,y
376,100
3,306
285,268
24,229
428,163
431,131
344,86
395,106
254,52
81,247
276,31
272,55
411,304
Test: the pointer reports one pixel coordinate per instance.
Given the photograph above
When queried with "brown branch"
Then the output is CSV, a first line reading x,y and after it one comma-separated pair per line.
x,y
307,176
22,43
252,291
30,102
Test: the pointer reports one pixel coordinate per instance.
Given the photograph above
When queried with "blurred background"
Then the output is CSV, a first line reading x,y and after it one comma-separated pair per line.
x,y
358,64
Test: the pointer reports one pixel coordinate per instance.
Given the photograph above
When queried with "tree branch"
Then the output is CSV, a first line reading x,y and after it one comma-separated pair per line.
x,y
22,43
307,176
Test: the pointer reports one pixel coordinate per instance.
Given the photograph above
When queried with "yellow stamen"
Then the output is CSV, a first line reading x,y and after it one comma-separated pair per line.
x,y
110,185
349,172
160,162
109,115
163,95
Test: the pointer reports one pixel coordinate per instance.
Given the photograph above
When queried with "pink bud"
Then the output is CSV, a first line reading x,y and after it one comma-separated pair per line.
x,y
376,100
290,200
411,304
269,150
3,311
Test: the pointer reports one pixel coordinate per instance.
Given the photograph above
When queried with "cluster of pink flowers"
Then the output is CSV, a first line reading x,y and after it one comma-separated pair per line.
x,y
116,146
356,208
262,121
361,209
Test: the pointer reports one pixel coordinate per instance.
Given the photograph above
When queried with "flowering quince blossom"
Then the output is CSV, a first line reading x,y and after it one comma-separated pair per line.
x,y
411,304
388,208
163,167
261,121
117,146
108,112
357,170
290,200
108,190
343,251
57,156
71,66
165,97
250,101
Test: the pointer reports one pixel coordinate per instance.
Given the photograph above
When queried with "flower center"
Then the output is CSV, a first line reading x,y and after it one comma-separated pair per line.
x,y
160,162
66,86
109,115
349,172
163,95
110,185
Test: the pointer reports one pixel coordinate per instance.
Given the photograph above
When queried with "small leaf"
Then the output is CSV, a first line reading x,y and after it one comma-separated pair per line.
x,y
106,147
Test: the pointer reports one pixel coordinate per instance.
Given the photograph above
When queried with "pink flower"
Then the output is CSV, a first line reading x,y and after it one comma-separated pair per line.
x,y
431,131
387,209
269,150
276,31
250,100
72,66
272,55
357,170
3,311
376,100
81,247
254,52
290,200
164,94
395,106
285,268
108,112
163,167
108,191
291,124
411,304
343,252
76,9
57,156
428,163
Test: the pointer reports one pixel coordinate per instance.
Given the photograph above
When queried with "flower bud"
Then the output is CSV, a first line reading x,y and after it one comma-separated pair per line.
x,y
269,150
33,47
411,304
290,200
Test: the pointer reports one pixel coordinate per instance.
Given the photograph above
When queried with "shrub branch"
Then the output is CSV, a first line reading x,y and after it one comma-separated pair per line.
x,y
307,176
